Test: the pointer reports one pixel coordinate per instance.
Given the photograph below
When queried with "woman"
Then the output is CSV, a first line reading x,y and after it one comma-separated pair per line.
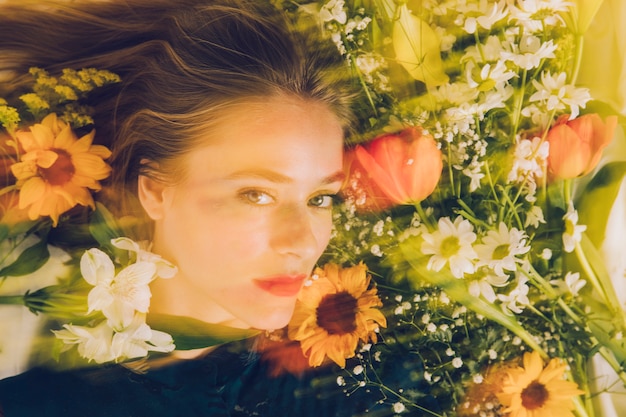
x,y
229,127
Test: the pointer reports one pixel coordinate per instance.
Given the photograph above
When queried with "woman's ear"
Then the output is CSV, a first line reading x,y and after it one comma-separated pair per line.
x,y
151,195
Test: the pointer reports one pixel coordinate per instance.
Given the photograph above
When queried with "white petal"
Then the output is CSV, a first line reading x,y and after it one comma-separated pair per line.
x,y
96,267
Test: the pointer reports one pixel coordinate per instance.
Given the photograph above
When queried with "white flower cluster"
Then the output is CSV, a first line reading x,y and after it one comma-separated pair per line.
x,y
123,298
495,261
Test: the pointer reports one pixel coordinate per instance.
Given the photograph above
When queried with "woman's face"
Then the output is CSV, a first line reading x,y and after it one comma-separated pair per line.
x,y
252,216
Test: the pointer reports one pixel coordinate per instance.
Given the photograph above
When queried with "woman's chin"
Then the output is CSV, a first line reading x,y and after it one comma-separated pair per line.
x,y
277,319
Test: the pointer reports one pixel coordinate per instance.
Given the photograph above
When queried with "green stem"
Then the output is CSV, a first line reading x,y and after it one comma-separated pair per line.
x,y
12,300
577,58
519,101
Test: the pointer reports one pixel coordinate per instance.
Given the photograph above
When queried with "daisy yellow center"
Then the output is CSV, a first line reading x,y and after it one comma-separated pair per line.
x,y
61,171
336,313
501,252
570,227
450,246
534,396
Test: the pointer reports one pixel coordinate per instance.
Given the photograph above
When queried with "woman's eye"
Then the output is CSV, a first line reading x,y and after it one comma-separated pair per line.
x,y
322,201
257,197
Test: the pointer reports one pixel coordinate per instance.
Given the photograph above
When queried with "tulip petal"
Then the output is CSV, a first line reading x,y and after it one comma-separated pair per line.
x,y
568,156
379,175
417,48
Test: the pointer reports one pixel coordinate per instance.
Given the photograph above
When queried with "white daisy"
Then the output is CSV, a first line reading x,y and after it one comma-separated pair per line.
x,y
534,15
517,298
487,18
451,244
573,231
490,51
499,249
571,283
484,286
530,160
555,94
333,10
534,216
529,52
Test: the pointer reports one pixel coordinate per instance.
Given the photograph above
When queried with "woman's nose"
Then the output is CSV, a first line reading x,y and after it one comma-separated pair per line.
x,y
293,233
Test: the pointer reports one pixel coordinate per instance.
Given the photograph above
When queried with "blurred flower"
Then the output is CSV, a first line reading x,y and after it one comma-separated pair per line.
x,y
481,395
334,312
535,391
576,145
333,10
603,61
57,169
281,355
417,48
584,11
406,166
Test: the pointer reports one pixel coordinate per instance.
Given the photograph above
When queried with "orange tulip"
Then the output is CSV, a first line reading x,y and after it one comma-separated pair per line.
x,y
360,189
576,146
406,166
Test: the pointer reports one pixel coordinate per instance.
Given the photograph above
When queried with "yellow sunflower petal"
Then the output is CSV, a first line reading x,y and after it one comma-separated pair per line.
x,y
83,144
45,158
42,136
32,191
312,296
53,123
355,280
75,195
533,364
91,165
65,139
24,170
101,151
27,140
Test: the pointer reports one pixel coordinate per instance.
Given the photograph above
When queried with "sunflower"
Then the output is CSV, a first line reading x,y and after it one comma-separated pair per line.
x,y
334,312
57,170
535,391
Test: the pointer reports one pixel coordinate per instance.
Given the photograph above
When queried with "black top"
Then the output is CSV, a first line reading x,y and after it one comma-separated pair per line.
x,y
230,381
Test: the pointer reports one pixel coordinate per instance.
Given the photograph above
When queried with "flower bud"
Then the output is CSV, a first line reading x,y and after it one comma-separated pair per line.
x,y
576,145
405,166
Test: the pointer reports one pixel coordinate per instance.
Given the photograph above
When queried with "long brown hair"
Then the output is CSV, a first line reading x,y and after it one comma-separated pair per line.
x,y
183,64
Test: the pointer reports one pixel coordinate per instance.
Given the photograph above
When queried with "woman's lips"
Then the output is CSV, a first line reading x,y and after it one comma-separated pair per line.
x,y
281,285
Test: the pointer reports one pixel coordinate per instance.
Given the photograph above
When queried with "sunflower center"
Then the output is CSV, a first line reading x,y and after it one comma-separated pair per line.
x,y
534,395
61,171
450,246
336,313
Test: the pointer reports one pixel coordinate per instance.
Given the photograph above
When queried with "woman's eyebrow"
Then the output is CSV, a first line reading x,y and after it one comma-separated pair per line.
x,y
273,176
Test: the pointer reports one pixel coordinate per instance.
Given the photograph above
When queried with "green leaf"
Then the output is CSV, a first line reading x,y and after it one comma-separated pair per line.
x,y
30,260
103,226
189,333
596,202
